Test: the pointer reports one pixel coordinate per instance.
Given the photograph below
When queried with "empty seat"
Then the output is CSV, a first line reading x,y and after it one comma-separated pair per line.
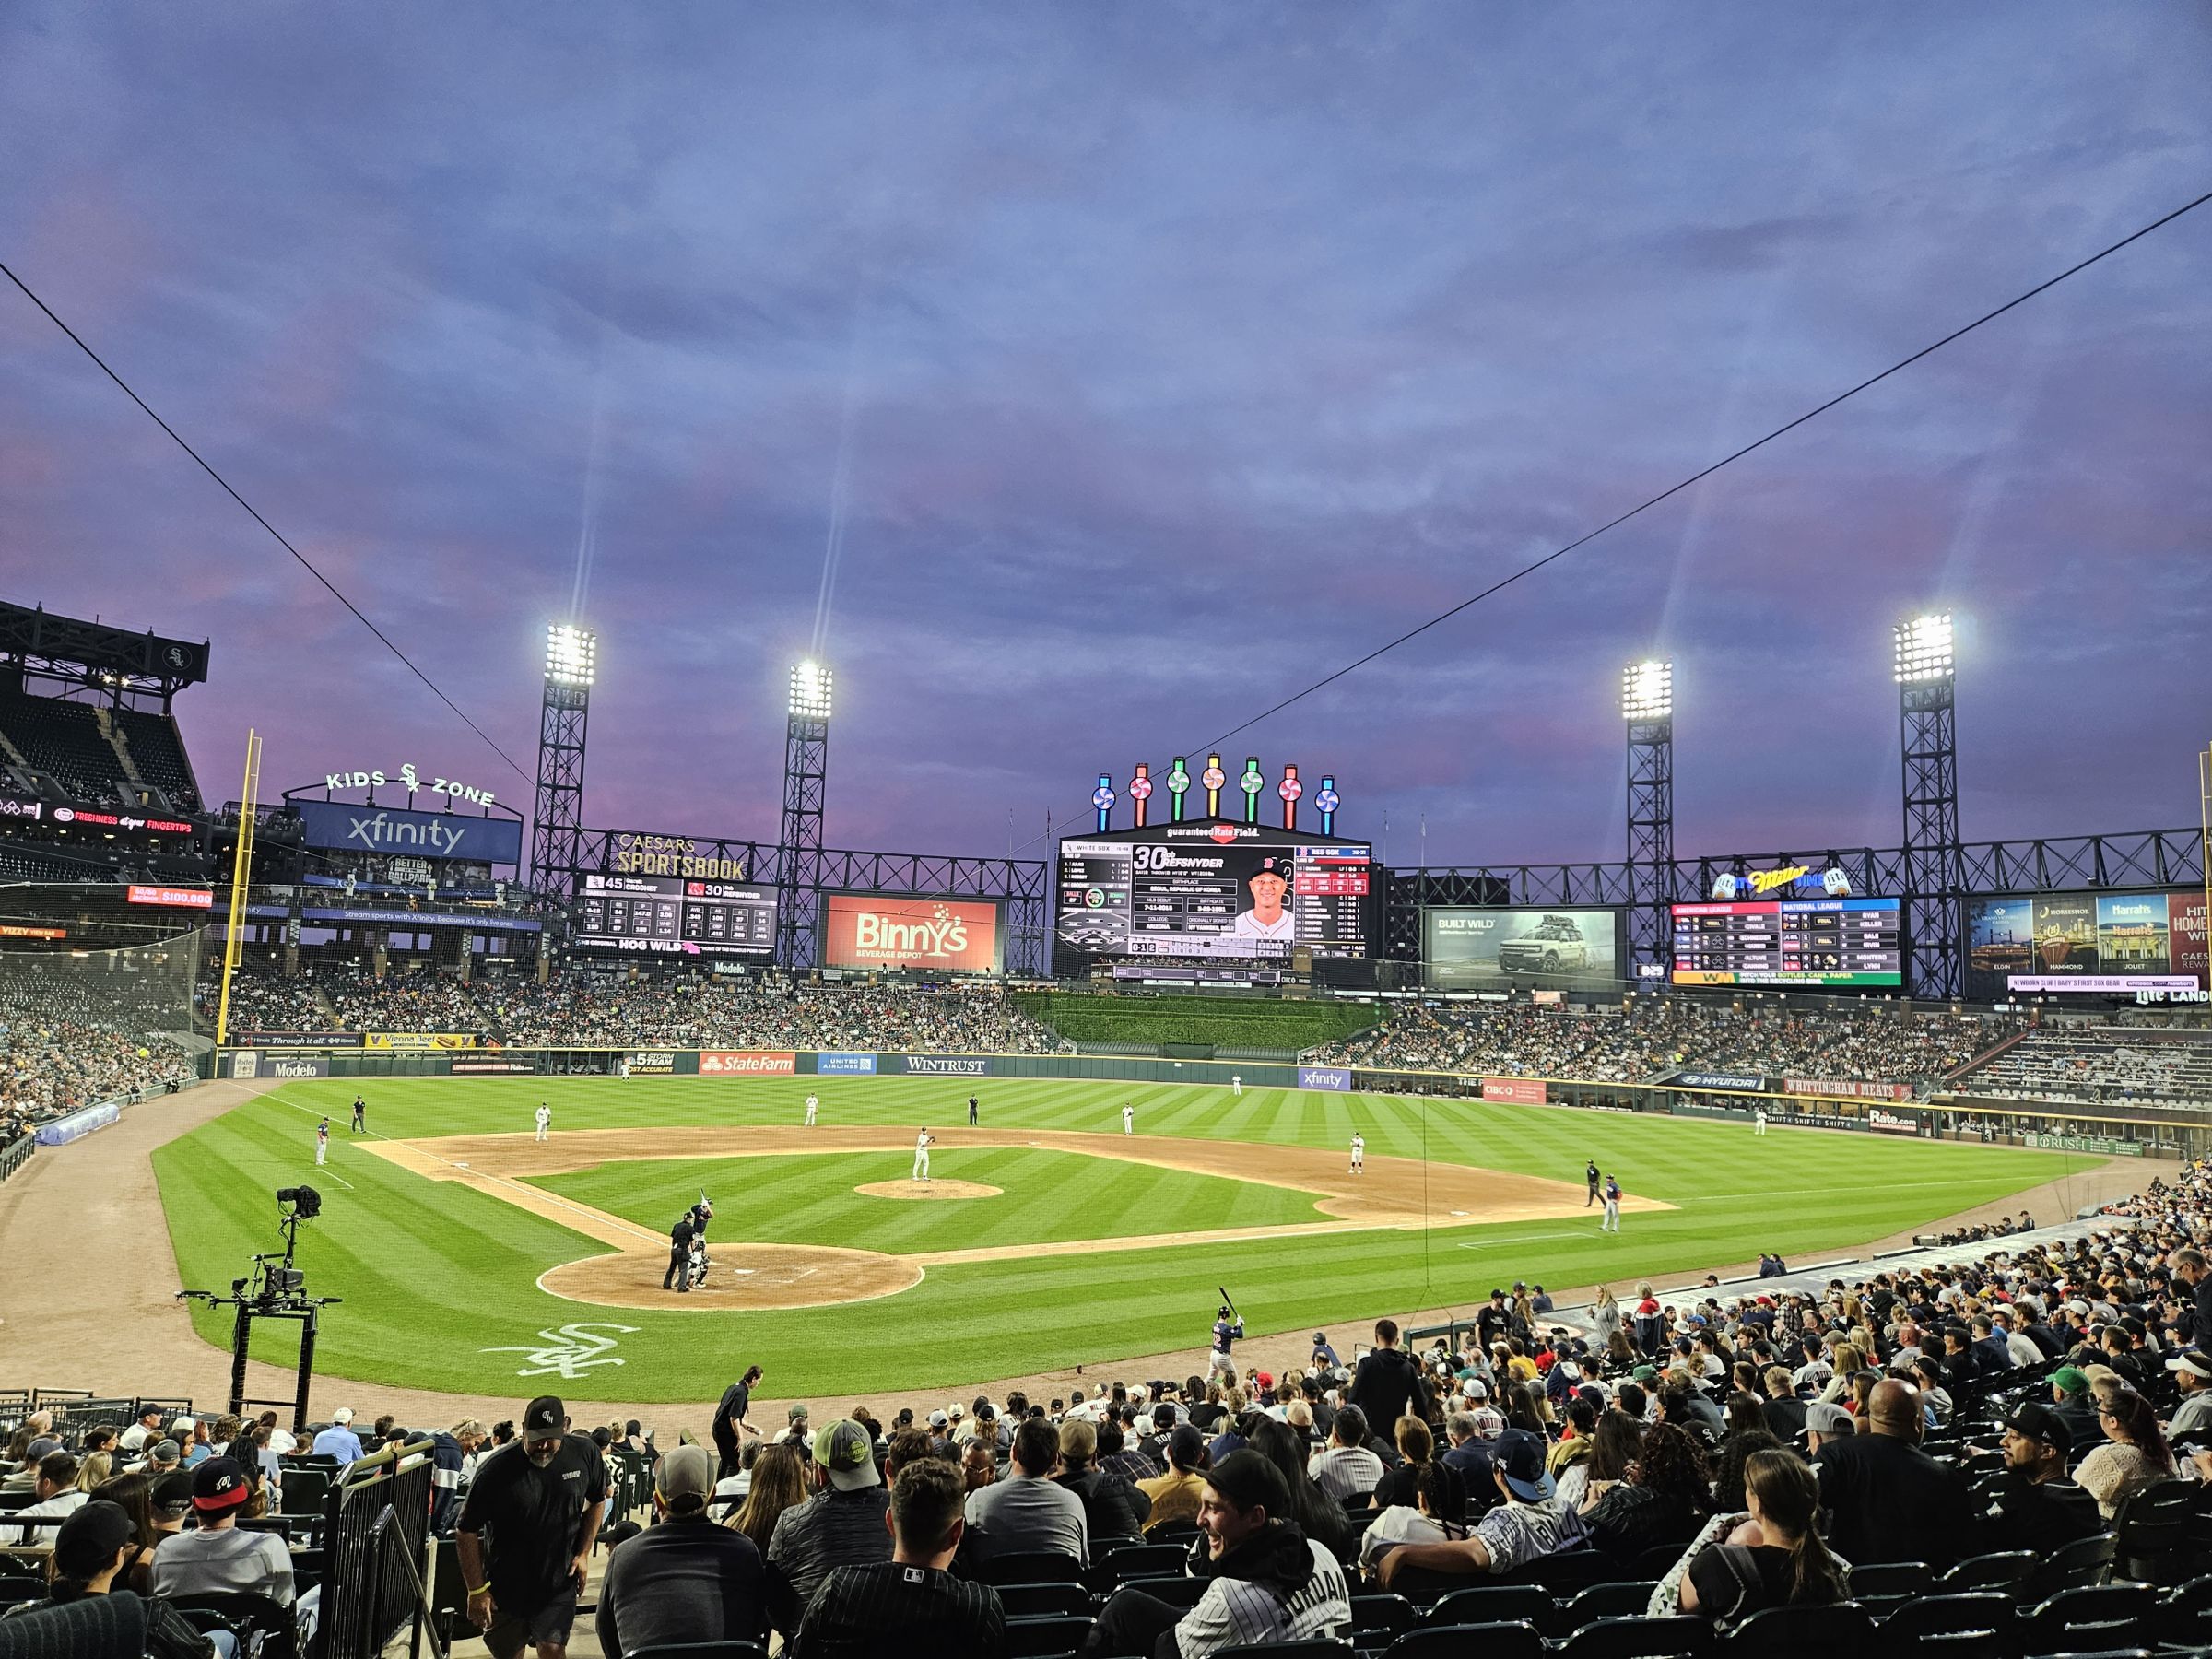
x,y
1492,1604
1044,1638
1841,1632
2005,1570
1039,1601
1029,1567
2091,1615
1638,1638
1516,1640
1623,1599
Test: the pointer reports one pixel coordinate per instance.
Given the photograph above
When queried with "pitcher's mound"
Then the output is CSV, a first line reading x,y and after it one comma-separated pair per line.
x,y
742,1275
928,1189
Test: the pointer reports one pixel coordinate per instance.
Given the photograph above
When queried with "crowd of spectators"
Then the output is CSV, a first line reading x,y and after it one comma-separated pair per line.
x,y
1726,1454
585,1010
2100,1066
1647,1035
66,1043
411,999
264,1001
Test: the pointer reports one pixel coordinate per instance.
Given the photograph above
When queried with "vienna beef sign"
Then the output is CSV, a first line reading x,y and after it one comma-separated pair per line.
x,y
941,936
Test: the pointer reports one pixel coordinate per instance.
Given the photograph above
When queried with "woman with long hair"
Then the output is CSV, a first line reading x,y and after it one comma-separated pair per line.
x,y
1620,1356
133,1494
779,1483
1664,1500
1773,1557
93,1468
1604,1316
1525,1407
1728,1466
1614,1449
1848,1359
1319,1517
2135,1452
1746,1415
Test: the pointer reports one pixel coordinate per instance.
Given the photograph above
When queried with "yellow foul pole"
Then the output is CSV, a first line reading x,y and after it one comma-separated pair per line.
x,y
242,868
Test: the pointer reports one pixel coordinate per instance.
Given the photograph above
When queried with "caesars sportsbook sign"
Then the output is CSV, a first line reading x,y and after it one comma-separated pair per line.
x,y
940,936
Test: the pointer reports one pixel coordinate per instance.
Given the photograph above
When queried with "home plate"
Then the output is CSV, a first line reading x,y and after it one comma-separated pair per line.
x,y
742,1272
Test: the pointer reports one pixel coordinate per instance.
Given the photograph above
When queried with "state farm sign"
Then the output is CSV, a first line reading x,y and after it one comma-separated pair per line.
x,y
748,1063
942,935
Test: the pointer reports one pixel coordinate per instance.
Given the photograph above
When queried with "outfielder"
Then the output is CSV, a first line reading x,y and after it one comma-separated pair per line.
x,y
545,1118
921,1146
1129,1120
1759,1120
1236,1084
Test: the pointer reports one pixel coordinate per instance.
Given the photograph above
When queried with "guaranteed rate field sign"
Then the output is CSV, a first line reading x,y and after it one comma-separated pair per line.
x,y
942,935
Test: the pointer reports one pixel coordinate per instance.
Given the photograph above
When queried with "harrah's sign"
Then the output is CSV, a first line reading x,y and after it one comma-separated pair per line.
x,y
944,936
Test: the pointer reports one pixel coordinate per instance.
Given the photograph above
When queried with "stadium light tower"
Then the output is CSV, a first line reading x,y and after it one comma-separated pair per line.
x,y
806,776
1647,705
1935,863
571,665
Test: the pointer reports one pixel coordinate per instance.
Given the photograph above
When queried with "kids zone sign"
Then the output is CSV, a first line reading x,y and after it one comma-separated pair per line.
x,y
939,936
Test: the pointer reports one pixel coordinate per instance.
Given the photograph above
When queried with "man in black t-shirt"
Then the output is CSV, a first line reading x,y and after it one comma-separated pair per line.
x,y
730,1427
541,1501
679,1277
909,1606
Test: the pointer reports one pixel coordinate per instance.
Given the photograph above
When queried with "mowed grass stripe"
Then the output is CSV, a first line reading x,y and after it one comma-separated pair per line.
x,y
435,1274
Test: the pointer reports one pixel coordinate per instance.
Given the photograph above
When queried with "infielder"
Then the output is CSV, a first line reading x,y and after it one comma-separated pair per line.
x,y
1359,1153
322,1142
1612,1220
811,1104
1129,1120
921,1146
545,1119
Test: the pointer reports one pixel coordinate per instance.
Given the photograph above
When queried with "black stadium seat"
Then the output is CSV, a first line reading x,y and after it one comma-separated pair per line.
x,y
1623,1599
1045,1637
1842,1631
1516,1640
1029,1567
1039,1601
1492,1604
2095,1615
1638,1638
700,1650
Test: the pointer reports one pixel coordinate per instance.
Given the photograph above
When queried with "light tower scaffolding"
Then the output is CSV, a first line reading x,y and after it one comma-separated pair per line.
x,y
571,665
805,780
1934,860
1647,705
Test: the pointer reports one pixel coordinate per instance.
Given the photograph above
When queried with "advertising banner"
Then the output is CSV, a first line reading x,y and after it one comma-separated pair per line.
x,y
244,1063
1514,1091
516,1066
845,1065
2098,1144
295,1065
171,897
946,1065
2185,929
2107,984
1743,1082
1324,1076
297,1038
2107,944
649,1063
78,1124
1882,1119
749,1062
342,827
419,1041
1815,1119
1841,1089
1471,948
940,936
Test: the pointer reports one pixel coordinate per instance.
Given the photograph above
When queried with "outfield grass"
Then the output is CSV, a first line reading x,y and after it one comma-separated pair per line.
x,y
435,1274
1218,1021
1046,1198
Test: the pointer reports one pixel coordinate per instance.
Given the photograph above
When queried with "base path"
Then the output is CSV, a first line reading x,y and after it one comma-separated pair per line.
x,y
1392,1193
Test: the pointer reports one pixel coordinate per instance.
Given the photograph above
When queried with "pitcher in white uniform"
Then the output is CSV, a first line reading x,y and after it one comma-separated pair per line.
x,y
921,1146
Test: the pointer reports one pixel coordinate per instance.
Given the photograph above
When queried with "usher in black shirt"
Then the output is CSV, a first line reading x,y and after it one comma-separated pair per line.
x,y
533,1517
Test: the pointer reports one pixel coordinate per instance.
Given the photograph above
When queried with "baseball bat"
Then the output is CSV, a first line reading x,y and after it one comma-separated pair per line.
x,y
1226,1302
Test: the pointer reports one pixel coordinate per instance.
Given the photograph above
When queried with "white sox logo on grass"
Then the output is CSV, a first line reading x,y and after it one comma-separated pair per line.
x,y
569,1351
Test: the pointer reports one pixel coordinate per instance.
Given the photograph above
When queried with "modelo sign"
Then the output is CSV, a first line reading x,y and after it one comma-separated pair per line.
x,y
934,936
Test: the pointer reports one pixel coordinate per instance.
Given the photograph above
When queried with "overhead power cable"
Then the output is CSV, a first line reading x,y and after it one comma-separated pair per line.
x,y
305,563
1673,490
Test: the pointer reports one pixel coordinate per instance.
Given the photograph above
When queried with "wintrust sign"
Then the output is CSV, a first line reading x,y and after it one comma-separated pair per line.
x,y
944,936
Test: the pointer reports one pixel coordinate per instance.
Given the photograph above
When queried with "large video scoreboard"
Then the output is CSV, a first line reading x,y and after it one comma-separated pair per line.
x,y
1214,891
1814,942
643,915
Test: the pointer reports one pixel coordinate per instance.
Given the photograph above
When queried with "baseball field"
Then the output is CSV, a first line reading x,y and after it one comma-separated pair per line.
x,y
470,1254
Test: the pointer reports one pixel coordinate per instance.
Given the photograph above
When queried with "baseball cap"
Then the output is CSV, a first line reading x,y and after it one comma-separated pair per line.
x,y
1280,869
1248,1480
172,1493
1186,1446
1646,1373
544,1419
2194,1363
685,1480
797,1412
843,1450
87,1540
1474,1388
217,1485
164,1451
343,1414
937,1419
1265,1379
1519,1456
1825,1416
2039,1422
2070,1380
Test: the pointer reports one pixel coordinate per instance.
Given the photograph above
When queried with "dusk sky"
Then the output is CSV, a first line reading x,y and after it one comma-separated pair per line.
x,y
1138,364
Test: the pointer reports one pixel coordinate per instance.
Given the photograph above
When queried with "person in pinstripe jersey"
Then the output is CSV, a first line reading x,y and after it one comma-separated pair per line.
x,y
909,1606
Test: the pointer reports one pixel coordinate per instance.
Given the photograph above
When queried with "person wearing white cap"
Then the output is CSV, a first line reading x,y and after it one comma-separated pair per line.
x,y
339,1441
2193,1375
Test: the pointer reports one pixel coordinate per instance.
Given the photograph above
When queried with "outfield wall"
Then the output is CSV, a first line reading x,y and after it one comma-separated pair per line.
x,y
2111,1130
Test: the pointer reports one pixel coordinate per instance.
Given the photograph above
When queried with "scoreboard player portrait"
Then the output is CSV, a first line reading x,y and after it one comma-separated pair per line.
x,y
1266,912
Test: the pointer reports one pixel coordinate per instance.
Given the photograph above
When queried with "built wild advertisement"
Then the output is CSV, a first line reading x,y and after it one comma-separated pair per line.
x,y
1466,948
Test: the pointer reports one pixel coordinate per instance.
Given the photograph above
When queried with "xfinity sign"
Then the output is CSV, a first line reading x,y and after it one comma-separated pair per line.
x,y
340,826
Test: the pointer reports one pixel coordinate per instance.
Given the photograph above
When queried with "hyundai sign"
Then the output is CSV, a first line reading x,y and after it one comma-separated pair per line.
x,y
338,825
